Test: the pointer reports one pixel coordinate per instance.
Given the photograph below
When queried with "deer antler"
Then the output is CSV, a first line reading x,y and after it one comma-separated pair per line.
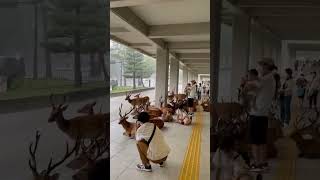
x,y
51,100
120,109
32,161
67,154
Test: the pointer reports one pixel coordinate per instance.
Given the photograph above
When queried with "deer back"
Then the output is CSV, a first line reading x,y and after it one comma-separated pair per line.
x,y
88,126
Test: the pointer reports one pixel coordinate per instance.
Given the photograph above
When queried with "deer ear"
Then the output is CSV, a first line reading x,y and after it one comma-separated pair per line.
x,y
64,107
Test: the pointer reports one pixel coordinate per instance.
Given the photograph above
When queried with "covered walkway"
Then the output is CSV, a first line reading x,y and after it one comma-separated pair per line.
x,y
281,29
177,34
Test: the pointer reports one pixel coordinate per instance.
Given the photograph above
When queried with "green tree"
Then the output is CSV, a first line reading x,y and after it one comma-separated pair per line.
x,y
133,64
78,26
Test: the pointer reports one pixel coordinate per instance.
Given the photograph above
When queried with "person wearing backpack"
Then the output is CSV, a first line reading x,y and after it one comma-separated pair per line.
x,y
151,144
286,97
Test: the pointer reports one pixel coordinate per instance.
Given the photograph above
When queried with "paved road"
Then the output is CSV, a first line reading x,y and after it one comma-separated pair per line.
x,y
17,130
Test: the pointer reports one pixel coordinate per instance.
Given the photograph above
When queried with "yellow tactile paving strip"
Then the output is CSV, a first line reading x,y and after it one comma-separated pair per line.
x,y
190,169
286,169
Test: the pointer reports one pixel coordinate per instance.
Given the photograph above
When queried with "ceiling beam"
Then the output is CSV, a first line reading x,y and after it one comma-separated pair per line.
x,y
197,61
161,31
194,56
135,23
120,41
280,11
189,45
140,45
114,30
128,3
278,3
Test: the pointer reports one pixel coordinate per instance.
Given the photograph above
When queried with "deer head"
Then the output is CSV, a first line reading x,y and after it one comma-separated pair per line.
x,y
46,174
128,96
125,116
56,110
87,109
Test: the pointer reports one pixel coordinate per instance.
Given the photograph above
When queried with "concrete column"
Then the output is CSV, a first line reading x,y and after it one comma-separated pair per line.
x,y
240,56
174,75
185,77
292,58
189,76
256,46
162,66
285,57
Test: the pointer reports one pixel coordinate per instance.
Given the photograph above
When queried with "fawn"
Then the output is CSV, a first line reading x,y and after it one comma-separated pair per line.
x,y
45,174
84,127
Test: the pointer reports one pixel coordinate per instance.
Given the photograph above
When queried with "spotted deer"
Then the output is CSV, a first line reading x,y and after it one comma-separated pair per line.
x,y
136,102
129,127
84,127
46,174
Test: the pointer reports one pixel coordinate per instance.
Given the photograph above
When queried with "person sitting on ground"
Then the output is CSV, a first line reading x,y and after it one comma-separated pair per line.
x,y
150,143
227,163
182,116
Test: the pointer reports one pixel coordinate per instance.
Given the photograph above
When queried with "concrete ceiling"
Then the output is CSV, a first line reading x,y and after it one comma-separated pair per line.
x,y
183,26
288,19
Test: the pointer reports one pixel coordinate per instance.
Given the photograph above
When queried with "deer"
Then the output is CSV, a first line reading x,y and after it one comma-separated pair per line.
x,y
129,127
154,116
137,101
84,127
166,111
88,162
46,174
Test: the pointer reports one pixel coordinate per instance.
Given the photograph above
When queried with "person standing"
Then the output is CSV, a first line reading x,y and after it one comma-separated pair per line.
x,y
286,97
191,97
258,115
199,91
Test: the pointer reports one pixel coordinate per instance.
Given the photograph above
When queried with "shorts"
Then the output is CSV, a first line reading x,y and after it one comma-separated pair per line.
x,y
258,129
190,102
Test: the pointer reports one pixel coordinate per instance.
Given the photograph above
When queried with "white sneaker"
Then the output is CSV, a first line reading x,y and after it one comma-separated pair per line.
x,y
141,167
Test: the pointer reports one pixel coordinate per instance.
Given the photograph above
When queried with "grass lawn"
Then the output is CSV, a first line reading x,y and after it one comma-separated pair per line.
x,y
124,89
30,88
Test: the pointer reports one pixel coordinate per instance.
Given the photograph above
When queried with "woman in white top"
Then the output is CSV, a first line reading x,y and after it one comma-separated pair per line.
x,y
286,97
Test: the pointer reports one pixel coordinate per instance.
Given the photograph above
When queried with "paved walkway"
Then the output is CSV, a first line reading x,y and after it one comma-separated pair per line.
x,y
183,140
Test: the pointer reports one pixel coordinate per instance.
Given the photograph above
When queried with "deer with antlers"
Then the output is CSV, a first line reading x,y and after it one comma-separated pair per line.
x,y
84,127
46,174
90,159
129,127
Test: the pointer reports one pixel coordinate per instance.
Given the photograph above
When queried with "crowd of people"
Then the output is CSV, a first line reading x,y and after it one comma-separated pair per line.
x,y
264,93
